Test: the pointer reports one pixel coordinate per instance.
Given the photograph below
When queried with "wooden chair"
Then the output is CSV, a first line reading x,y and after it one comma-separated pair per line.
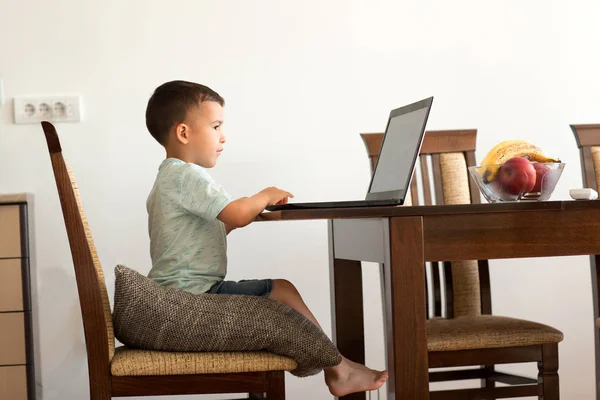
x,y
461,330
588,142
127,372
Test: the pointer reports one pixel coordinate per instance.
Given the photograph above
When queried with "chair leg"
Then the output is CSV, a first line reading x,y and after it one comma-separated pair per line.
x,y
276,385
100,396
100,390
548,372
489,383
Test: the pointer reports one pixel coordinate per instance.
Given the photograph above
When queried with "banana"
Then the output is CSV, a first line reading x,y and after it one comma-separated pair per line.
x,y
506,150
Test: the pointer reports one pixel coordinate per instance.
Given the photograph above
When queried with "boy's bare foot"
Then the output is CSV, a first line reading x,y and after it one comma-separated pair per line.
x,y
350,377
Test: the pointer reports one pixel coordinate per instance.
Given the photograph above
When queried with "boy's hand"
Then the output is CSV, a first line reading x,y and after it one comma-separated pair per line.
x,y
243,211
276,195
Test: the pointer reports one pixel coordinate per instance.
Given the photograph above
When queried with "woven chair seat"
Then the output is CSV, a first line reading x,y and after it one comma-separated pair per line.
x,y
133,362
486,332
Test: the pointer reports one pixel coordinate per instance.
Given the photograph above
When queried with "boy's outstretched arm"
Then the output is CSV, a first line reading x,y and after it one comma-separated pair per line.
x,y
243,211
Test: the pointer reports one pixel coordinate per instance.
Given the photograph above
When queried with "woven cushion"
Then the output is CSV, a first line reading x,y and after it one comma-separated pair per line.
x,y
131,362
486,332
153,317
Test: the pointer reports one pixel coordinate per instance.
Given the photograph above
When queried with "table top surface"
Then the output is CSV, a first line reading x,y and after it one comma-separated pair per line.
x,y
14,198
406,211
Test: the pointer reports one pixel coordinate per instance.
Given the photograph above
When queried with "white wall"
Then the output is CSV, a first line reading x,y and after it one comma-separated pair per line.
x,y
301,81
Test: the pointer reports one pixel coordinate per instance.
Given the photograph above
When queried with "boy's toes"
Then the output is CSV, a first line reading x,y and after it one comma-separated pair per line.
x,y
383,376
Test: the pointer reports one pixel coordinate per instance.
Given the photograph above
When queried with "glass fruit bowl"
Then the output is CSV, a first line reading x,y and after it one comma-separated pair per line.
x,y
517,181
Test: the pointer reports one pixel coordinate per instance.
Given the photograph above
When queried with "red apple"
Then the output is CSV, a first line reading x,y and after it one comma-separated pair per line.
x,y
517,175
540,171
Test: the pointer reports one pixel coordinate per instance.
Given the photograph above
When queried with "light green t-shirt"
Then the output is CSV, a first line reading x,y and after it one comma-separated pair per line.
x,y
188,244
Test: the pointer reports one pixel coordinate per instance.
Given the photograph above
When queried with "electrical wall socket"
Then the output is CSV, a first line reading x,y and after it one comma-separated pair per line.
x,y
31,110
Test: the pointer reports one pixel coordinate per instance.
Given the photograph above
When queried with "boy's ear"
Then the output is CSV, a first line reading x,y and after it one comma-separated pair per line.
x,y
182,133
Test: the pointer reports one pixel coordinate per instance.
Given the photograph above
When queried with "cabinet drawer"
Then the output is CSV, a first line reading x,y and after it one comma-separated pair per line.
x,y
12,338
13,383
10,232
11,285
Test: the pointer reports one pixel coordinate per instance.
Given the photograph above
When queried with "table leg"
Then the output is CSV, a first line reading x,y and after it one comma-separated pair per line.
x,y
347,309
405,322
595,272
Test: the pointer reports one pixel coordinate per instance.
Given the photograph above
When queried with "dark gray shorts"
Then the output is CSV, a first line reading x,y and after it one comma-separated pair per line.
x,y
253,287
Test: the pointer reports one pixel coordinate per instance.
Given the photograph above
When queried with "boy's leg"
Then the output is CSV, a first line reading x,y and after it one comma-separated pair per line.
x,y
286,293
348,376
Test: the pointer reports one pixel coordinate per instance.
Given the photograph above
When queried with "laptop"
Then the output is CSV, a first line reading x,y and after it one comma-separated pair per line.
x,y
393,172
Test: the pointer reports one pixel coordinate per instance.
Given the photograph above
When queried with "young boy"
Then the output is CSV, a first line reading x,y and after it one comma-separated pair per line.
x,y
190,214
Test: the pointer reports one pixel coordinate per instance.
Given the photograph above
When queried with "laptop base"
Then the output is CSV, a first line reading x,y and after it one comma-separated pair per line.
x,y
335,204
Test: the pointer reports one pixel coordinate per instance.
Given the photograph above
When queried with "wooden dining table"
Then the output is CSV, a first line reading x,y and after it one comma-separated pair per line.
x,y
403,238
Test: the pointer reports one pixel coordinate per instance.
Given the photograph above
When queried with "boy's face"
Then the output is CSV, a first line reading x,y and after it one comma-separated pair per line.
x,y
205,138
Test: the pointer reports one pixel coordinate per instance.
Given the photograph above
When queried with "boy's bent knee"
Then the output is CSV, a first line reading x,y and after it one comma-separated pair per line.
x,y
283,285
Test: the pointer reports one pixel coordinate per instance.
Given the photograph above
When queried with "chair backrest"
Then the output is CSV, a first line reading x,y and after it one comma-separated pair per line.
x,y
93,297
465,284
588,141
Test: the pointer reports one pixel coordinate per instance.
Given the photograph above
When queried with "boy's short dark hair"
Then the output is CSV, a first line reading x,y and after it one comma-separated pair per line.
x,y
170,103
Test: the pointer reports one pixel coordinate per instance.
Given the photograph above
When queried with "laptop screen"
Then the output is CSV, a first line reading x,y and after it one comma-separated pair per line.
x,y
399,150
